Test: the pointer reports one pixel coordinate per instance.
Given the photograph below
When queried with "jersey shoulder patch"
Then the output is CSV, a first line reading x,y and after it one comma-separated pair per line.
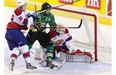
x,y
18,11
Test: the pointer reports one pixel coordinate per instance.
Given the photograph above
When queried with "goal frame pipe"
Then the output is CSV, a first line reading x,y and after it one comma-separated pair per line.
x,y
95,26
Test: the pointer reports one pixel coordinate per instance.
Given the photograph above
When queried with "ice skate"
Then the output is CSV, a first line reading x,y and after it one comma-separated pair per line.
x,y
29,66
50,65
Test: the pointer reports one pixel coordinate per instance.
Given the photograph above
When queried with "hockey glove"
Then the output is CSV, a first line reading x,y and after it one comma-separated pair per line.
x,y
34,15
38,26
32,28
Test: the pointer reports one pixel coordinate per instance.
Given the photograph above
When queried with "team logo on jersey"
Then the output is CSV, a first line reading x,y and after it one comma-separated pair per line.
x,y
48,19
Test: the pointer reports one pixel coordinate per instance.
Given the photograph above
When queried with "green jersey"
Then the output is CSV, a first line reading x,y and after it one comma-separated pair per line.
x,y
45,19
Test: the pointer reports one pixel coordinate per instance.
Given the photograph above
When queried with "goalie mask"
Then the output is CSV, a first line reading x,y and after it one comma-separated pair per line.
x,y
60,28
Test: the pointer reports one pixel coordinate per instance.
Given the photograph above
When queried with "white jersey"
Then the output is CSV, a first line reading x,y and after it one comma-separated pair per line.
x,y
57,36
66,37
19,20
19,17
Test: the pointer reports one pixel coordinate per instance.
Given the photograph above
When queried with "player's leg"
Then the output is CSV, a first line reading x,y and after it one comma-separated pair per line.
x,y
14,54
13,46
24,49
26,55
45,42
57,50
40,54
31,38
14,49
71,48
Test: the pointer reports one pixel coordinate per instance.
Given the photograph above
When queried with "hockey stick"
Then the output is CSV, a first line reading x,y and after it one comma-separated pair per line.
x,y
21,53
59,6
78,26
74,27
62,63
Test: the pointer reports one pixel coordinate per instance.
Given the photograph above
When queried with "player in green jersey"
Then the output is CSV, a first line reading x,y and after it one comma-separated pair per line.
x,y
37,32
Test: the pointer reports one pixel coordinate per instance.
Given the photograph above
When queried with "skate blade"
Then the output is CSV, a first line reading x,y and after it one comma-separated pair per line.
x,y
55,68
32,68
47,68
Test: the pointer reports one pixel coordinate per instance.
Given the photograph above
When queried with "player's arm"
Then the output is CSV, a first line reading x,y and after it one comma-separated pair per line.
x,y
55,39
27,20
53,36
52,24
22,18
36,24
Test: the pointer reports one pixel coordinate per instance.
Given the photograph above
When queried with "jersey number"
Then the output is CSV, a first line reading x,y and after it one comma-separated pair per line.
x,y
20,18
12,17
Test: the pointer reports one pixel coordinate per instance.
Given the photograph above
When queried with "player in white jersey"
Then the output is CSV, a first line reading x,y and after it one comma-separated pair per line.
x,y
62,41
15,38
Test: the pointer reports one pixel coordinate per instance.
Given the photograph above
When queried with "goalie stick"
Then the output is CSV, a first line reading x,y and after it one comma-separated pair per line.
x,y
62,63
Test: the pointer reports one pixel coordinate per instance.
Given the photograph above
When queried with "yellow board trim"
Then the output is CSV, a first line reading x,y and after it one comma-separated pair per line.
x,y
102,19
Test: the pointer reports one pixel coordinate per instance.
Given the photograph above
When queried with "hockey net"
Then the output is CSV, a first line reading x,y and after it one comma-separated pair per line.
x,y
89,36
86,35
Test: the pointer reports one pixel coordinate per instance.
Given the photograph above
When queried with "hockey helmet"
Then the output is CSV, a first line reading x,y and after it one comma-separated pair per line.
x,y
46,6
21,3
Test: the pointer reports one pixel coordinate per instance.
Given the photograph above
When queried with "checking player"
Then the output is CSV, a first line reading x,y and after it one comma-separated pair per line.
x,y
62,41
37,32
15,38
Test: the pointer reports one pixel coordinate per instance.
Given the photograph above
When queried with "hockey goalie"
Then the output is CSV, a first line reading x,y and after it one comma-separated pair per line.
x,y
64,48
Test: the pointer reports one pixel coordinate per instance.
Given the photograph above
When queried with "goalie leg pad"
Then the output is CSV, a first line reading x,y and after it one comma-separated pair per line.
x,y
40,54
88,54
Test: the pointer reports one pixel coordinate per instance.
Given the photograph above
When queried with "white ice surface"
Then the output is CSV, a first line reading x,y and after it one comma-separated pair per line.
x,y
102,67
